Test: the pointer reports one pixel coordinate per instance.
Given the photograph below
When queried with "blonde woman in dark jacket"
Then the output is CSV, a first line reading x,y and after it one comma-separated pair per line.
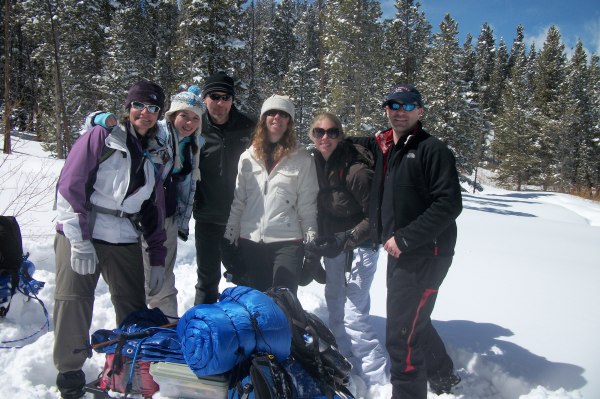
x,y
345,174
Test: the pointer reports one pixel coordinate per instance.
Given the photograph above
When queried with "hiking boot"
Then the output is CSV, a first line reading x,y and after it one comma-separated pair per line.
x,y
444,384
71,384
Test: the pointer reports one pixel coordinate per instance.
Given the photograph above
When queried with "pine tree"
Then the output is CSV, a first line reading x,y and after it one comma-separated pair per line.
x,y
278,46
549,82
352,38
302,80
514,145
591,157
484,66
496,81
578,122
207,38
449,115
406,42
72,37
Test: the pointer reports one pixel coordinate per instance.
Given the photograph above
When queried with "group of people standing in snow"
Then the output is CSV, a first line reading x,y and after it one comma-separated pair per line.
x,y
266,208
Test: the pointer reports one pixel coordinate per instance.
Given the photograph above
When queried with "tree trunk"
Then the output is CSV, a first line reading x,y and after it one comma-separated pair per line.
x,y
63,141
321,53
7,45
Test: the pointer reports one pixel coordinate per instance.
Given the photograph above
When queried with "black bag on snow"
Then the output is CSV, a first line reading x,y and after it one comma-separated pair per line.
x,y
261,377
11,257
314,346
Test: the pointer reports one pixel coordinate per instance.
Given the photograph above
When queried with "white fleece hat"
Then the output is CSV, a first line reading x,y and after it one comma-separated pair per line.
x,y
190,100
282,103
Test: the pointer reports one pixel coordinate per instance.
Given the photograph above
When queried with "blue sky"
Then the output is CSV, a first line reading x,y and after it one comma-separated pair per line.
x,y
574,18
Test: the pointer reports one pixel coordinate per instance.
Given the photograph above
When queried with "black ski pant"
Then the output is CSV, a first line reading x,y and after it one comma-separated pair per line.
x,y
209,252
274,264
416,351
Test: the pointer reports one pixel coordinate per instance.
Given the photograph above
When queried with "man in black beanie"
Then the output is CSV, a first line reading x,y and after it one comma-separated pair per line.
x,y
227,133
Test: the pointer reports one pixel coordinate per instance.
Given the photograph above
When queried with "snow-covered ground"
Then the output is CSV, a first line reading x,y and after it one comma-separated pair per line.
x,y
517,310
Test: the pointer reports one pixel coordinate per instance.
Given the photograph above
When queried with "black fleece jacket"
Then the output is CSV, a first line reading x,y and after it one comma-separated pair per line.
x,y
218,165
426,196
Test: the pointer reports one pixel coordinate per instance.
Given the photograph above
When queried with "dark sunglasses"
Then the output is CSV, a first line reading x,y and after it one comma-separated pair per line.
x,y
396,106
217,97
140,106
273,112
332,133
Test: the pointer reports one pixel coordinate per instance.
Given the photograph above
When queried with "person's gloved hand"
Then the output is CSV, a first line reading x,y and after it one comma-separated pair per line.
x,y
157,278
183,236
83,257
311,270
232,233
346,240
105,119
324,246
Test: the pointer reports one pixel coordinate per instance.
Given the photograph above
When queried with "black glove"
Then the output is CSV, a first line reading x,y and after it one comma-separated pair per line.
x,y
346,240
324,246
311,269
332,246
182,236
234,269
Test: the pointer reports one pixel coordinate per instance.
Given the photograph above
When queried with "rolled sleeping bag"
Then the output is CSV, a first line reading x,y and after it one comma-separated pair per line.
x,y
216,337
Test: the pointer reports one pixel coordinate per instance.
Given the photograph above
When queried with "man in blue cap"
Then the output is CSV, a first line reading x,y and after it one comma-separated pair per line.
x,y
415,200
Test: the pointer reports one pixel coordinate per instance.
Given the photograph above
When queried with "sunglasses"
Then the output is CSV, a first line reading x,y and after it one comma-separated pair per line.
x,y
217,97
332,133
273,112
396,106
140,106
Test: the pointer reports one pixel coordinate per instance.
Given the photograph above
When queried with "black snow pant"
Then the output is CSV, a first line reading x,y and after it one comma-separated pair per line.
x,y
416,351
209,252
274,264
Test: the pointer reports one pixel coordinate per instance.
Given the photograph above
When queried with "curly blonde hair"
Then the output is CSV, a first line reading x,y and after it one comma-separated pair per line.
x,y
261,143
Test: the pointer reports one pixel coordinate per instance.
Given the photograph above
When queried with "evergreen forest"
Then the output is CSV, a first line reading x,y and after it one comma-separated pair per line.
x,y
531,115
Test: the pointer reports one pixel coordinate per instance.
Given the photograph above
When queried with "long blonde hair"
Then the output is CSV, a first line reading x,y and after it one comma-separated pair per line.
x,y
261,143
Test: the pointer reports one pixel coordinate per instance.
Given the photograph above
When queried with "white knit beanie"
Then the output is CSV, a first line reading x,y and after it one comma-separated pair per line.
x,y
282,103
190,100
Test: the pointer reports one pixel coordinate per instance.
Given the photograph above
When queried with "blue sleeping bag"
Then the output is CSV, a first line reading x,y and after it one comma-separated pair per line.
x,y
215,338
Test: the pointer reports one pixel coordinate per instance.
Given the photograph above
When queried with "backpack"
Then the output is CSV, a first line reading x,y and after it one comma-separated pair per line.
x,y
11,258
117,375
260,377
314,346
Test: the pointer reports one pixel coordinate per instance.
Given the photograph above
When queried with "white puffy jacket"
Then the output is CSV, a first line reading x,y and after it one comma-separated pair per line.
x,y
276,206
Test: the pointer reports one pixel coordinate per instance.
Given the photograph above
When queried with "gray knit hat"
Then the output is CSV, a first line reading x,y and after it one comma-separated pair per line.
x,y
282,103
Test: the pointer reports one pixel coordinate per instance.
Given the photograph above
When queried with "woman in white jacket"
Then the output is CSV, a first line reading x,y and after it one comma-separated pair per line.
x,y
274,209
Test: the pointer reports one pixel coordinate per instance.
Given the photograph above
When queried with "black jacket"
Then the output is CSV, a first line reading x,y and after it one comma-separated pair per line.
x,y
218,165
344,186
426,192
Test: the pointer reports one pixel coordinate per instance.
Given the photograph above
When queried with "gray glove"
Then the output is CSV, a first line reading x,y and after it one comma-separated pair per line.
x,y
83,257
157,278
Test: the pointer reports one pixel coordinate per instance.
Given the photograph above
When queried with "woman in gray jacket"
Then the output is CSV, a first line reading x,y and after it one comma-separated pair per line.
x,y
274,210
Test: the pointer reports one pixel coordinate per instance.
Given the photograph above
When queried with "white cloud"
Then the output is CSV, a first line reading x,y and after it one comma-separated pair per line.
x,y
592,29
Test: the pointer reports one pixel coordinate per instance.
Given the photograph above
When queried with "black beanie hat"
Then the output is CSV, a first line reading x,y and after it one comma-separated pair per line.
x,y
146,92
219,81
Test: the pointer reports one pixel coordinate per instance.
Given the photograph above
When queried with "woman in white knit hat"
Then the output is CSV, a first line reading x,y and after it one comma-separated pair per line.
x,y
274,210
180,131
175,154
